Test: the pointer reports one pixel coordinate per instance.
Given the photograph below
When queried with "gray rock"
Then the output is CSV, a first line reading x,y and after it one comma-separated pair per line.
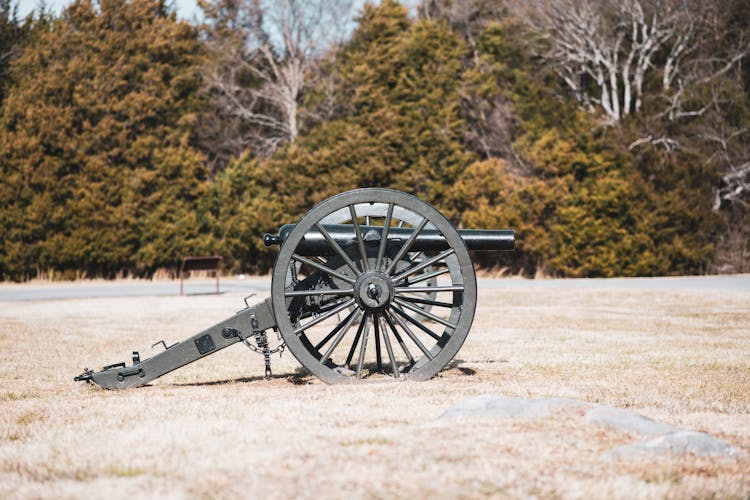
x,y
508,407
677,443
627,421
666,439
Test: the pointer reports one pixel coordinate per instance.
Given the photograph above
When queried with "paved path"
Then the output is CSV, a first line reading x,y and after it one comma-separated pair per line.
x,y
134,288
262,286
737,282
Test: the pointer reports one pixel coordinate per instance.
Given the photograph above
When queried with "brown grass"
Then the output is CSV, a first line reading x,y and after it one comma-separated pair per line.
x,y
216,429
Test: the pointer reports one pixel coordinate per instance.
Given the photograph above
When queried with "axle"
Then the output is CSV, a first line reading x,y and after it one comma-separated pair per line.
x,y
314,243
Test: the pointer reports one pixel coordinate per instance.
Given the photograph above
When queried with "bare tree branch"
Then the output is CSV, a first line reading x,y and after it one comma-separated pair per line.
x,y
666,143
264,55
735,183
616,56
614,46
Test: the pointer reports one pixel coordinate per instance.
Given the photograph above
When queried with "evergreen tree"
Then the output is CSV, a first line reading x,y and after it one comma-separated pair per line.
x,y
12,34
404,84
95,143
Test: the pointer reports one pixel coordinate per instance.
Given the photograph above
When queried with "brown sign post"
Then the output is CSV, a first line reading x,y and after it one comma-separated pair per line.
x,y
205,263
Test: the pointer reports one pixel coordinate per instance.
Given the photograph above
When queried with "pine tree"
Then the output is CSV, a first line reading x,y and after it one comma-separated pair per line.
x,y
11,33
95,141
404,86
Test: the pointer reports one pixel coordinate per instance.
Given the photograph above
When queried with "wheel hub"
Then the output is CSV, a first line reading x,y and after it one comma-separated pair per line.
x,y
374,291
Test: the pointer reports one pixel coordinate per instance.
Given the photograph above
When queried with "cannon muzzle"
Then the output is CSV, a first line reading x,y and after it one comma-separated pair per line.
x,y
428,240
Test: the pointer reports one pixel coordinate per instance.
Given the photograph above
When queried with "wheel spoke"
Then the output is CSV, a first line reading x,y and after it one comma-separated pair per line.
x,y
427,289
413,257
360,239
403,345
406,246
424,264
324,316
384,236
417,324
341,330
378,358
428,302
389,348
322,267
314,293
353,347
424,277
362,349
427,314
408,331
347,321
337,248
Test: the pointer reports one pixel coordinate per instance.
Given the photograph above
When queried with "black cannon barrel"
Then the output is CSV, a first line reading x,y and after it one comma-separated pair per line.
x,y
428,239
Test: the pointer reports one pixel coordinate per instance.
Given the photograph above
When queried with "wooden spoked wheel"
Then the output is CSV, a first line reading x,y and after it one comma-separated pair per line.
x,y
373,303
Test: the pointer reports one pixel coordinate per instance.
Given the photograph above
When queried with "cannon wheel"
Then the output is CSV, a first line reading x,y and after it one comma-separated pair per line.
x,y
358,313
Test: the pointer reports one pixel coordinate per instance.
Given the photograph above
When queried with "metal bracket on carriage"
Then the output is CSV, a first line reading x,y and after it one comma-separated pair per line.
x,y
161,342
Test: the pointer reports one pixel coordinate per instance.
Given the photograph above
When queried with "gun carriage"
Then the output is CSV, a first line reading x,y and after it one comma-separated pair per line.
x,y
369,284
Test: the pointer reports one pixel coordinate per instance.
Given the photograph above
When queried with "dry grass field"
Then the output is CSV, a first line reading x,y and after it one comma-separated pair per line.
x,y
216,429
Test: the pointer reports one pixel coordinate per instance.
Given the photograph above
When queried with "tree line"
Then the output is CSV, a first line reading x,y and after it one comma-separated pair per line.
x,y
612,135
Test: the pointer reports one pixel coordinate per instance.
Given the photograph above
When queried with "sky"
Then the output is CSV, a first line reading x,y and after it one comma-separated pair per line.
x,y
186,9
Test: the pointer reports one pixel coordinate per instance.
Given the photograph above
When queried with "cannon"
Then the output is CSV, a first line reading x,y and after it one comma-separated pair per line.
x,y
369,284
